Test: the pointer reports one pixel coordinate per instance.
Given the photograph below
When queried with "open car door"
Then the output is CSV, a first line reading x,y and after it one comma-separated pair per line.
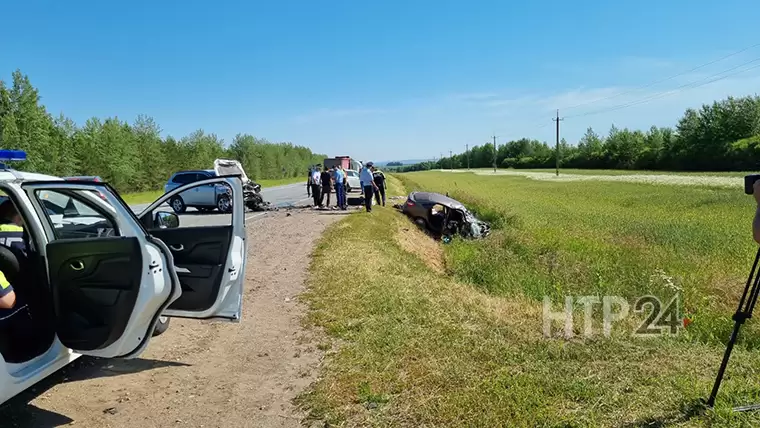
x,y
110,280
209,251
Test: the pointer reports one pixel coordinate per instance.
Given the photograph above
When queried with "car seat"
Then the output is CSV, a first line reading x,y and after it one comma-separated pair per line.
x,y
23,335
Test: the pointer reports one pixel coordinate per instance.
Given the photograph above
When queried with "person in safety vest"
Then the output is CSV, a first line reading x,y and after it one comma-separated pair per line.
x,y
11,226
11,234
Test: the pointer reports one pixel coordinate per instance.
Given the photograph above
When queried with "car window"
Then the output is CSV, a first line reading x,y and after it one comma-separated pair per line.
x,y
185,178
72,216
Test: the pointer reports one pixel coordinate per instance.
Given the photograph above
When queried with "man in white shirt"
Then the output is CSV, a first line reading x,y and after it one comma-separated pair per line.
x,y
315,186
368,185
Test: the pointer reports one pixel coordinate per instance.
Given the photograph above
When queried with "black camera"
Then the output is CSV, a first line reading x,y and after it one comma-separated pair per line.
x,y
749,183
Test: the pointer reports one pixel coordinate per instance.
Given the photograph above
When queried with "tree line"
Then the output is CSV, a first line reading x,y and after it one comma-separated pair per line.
x,y
130,156
722,136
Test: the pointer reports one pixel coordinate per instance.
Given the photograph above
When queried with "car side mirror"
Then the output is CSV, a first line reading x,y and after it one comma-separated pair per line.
x,y
166,220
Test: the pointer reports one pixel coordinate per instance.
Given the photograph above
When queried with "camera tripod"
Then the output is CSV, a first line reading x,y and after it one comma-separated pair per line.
x,y
743,313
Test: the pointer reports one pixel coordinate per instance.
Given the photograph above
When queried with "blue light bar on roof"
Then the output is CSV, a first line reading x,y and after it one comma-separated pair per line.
x,y
12,155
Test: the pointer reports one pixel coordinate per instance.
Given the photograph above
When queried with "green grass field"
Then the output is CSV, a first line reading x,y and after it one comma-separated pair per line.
x,y
625,172
451,335
150,196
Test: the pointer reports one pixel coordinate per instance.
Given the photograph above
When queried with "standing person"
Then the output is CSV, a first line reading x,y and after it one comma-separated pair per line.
x,y
368,185
340,189
326,181
345,185
379,179
308,182
315,178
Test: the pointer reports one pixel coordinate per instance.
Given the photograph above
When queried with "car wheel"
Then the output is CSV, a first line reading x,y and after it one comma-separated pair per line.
x,y
178,205
348,188
420,222
224,204
161,326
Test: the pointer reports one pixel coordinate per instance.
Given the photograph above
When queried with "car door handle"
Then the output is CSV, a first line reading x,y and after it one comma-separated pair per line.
x,y
77,265
179,247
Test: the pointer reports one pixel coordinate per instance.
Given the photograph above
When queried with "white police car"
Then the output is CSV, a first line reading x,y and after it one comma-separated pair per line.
x,y
96,277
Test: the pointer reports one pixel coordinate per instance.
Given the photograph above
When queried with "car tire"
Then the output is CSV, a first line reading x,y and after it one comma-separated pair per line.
x,y
161,326
420,222
178,205
224,204
348,188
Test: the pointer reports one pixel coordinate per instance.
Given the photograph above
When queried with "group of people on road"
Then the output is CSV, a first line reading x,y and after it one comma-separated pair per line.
x,y
320,183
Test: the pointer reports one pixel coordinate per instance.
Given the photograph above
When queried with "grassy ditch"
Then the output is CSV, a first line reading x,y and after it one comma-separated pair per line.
x,y
434,335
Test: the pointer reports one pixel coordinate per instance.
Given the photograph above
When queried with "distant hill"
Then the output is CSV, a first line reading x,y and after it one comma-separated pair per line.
x,y
403,162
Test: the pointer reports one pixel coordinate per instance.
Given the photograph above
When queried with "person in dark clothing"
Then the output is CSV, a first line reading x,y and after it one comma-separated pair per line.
x,y
315,186
308,182
368,184
379,178
326,179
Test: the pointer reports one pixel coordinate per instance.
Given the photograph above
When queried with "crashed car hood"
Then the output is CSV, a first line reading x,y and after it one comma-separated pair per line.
x,y
476,228
230,167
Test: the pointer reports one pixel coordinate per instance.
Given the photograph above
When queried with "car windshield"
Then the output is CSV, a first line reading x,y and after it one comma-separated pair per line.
x,y
62,204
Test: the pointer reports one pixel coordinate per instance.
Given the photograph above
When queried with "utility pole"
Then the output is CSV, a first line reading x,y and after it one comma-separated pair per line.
x,y
451,161
556,156
494,153
467,150
441,161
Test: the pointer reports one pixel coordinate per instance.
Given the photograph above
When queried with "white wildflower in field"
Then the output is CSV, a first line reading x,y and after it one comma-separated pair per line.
x,y
682,180
663,279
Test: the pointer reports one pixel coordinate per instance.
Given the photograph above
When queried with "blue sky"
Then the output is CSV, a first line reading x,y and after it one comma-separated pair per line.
x,y
380,80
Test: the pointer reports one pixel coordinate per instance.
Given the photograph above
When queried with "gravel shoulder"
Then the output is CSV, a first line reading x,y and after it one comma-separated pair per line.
x,y
204,374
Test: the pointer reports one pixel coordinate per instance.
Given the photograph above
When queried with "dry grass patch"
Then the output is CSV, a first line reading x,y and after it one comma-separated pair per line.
x,y
413,240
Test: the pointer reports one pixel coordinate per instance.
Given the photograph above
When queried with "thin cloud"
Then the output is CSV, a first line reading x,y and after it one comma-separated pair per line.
x,y
333,113
408,128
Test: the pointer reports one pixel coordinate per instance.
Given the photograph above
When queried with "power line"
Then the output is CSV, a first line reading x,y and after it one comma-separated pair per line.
x,y
665,79
690,85
494,153
556,156
542,124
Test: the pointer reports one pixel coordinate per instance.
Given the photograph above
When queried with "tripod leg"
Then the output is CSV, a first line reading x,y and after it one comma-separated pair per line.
x,y
743,312
724,363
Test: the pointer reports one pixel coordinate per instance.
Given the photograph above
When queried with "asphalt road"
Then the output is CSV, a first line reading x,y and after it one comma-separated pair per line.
x,y
280,196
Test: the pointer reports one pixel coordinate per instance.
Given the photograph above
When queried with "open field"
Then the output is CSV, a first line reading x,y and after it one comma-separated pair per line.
x,y
142,197
451,335
628,172
733,180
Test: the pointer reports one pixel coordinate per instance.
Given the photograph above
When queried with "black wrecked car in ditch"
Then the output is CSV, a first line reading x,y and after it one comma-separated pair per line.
x,y
443,216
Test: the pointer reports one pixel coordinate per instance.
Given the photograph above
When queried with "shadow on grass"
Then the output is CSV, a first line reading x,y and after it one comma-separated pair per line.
x,y
689,410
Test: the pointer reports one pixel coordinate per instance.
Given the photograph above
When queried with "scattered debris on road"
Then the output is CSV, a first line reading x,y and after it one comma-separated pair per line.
x,y
443,216
252,197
